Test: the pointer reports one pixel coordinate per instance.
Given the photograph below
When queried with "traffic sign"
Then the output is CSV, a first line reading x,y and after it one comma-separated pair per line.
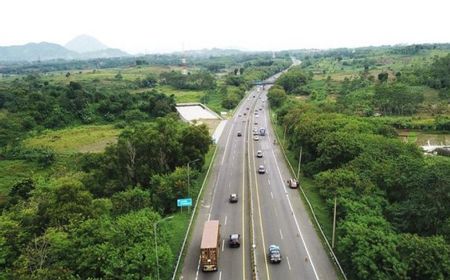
x,y
184,202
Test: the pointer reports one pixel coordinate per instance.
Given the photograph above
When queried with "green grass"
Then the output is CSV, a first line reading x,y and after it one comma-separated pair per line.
x,y
182,96
179,223
412,137
87,138
215,103
11,172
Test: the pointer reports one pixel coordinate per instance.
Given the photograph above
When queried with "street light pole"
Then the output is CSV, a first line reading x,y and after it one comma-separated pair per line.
x,y
156,242
188,171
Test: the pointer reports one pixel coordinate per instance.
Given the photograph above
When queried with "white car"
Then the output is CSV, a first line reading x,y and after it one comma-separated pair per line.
x,y
261,169
256,138
259,154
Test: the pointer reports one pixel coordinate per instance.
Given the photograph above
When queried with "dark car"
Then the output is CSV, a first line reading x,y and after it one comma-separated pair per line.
x,y
274,254
233,198
239,134
234,241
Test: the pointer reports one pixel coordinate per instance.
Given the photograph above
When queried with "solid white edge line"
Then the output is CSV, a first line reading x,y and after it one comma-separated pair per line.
x,y
295,218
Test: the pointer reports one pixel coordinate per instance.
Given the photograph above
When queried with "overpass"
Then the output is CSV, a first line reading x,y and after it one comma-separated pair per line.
x,y
262,83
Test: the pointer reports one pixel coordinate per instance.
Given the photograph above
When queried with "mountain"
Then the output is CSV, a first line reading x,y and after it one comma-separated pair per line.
x,y
84,44
103,54
81,47
36,51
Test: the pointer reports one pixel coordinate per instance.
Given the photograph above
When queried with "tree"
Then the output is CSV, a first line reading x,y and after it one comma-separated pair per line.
x,y
293,79
368,248
276,96
130,200
426,257
383,77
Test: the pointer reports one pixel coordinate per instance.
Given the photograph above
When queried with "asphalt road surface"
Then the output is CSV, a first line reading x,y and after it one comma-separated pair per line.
x,y
279,215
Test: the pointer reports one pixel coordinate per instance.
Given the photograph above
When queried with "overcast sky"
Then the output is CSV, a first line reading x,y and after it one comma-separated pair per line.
x,y
168,25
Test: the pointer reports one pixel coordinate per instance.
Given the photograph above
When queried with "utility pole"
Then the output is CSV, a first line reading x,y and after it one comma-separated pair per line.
x,y
334,221
188,181
299,162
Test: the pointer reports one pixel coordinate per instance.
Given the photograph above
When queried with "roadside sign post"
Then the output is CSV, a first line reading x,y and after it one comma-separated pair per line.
x,y
184,202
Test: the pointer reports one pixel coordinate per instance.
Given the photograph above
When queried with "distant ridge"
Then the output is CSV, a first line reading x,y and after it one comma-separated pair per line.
x,y
35,52
85,43
81,47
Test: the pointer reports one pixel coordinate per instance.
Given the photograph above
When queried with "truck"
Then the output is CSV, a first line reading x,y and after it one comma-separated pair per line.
x,y
262,131
209,248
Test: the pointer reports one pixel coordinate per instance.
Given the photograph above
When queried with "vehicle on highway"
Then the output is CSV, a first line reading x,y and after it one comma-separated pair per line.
x,y
256,138
261,169
247,108
255,123
234,241
274,254
259,154
239,134
239,115
262,131
292,183
245,114
209,247
233,198
255,131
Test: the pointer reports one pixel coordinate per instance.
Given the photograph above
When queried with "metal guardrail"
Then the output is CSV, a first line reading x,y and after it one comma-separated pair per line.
x,y
194,211
333,256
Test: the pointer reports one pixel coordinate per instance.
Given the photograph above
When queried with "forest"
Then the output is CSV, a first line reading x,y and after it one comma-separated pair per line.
x,y
68,213
393,219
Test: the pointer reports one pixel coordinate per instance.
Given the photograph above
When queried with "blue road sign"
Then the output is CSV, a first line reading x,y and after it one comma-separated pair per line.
x,y
184,202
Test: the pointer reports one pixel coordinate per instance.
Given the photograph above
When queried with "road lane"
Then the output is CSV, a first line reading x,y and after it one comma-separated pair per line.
x,y
280,216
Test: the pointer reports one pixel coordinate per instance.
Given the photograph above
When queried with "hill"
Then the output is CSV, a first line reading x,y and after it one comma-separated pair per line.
x,y
35,51
84,44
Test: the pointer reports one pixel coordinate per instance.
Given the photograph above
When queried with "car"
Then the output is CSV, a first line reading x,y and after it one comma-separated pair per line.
x,y
274,254
239,134
259,154
256,138
233,198
292,183
239,115
248,108
261,169
234,241
256,123
260,109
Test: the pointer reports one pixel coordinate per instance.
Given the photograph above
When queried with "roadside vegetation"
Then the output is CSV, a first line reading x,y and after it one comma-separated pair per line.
x,y
343,109
93,155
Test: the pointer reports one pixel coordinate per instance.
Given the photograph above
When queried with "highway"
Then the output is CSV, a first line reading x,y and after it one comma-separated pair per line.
x,y
279,215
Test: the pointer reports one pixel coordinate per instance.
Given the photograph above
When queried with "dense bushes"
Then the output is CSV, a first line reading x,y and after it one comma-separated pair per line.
x,y
32,104
384,188
193,81
99,224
